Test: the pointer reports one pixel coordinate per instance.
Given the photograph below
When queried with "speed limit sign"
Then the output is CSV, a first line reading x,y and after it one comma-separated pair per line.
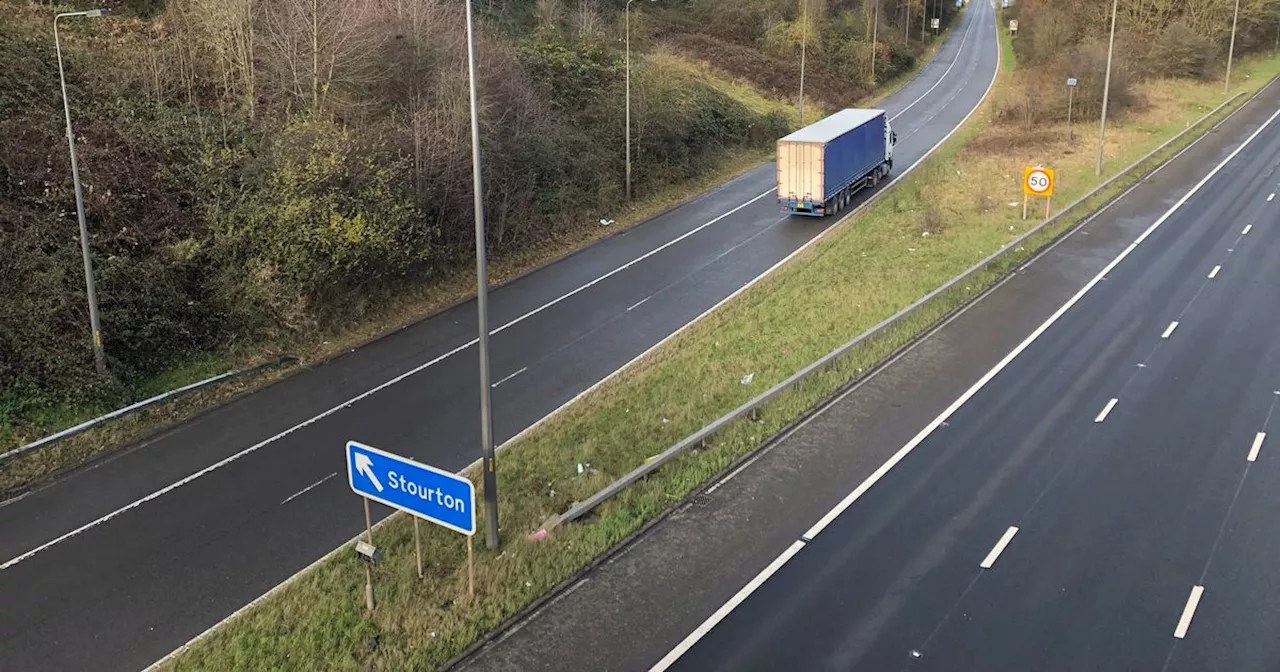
x,y
1037,181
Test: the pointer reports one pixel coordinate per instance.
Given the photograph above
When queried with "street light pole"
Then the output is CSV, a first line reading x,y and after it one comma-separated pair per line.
x,y
627,12
906,22
1106,88
804,43
99,356
1226,86
482,306
875,28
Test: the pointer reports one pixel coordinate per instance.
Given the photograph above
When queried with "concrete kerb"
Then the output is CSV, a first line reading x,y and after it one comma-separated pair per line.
x,y
580,509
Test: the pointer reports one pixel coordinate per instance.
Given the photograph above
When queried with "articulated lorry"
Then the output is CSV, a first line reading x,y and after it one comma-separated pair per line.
x,y
822,166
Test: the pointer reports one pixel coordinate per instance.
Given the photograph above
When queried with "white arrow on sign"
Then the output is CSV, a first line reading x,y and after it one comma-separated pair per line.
x,y
364,465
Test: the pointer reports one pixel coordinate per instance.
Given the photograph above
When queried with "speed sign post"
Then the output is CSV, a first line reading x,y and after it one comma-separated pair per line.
x,y
1037,181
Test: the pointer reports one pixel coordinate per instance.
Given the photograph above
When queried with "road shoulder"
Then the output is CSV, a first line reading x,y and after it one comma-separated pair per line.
x,y
631,610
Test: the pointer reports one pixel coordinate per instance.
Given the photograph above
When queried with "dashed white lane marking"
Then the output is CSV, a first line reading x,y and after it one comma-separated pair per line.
x,y
510,377
1214,272
361,397
1107,409
1247,229
996,550
1257,446
307,489
639,303
897,457
1188,611
1169,332
1271,198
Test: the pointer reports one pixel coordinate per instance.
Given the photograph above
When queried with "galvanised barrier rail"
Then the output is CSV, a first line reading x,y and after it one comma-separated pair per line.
x,y
580,509
133,408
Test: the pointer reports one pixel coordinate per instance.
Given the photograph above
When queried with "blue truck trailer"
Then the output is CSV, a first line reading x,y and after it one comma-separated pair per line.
x,y
822,166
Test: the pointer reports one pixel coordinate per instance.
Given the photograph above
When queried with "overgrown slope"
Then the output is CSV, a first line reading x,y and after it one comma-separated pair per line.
x,y
261,173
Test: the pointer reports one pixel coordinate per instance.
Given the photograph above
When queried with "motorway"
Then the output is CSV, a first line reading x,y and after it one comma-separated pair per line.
x,y
1107,501
1094,485
118,563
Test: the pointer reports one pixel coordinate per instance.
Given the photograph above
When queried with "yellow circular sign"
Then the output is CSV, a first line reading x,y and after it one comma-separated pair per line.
x,y
1038,181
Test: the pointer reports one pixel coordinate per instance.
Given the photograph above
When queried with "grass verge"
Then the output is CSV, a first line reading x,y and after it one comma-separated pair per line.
x,y
407,308
945,217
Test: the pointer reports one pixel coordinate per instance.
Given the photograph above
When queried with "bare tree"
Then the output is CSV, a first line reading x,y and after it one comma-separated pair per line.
x,y
226,30
321,51
549,12
590,25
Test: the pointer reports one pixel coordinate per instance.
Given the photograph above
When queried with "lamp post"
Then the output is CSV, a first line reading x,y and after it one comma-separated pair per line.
x,y
804,43
1106,88
482,306
875,28
1226,86
627,13
99,357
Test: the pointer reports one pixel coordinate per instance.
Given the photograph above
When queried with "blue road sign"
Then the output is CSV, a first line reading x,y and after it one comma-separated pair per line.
x,y
399,482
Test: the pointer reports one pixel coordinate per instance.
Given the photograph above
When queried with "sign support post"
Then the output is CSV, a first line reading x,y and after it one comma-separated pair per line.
x,y
368,567
422,491
1037,181
1071,91
471,572
417,544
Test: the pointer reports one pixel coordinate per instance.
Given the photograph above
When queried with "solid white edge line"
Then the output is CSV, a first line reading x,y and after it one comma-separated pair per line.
x,y
307,489
1169,332
1247,229
883,469
996,550
1188,611
1214,273
1106,410
986,378
964,38
785,260
781,560
738,598
257,446
811,242
1257,446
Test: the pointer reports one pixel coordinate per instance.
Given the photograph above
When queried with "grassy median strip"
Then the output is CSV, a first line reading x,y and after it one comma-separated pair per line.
x,y
958,207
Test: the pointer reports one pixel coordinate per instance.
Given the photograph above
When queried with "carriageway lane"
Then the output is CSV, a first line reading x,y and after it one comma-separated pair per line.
x,y
170,567
1116,510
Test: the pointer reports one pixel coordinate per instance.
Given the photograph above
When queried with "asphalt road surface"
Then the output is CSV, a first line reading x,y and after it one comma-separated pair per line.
x,y
117,564
980,503
1108,501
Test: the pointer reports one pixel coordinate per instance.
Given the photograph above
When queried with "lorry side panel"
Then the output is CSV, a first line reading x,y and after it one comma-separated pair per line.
x,y
854,155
